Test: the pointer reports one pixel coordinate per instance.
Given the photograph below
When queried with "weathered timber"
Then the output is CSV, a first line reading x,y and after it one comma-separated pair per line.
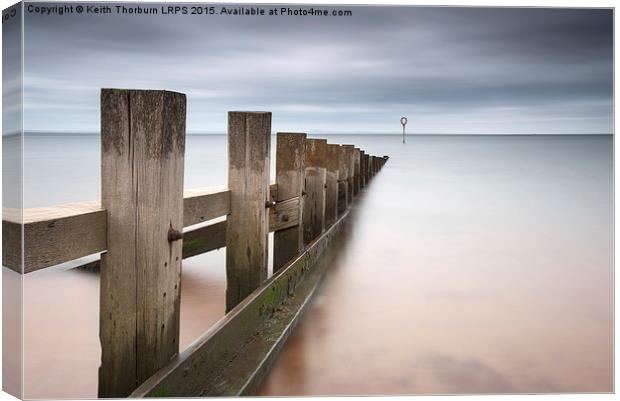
x,y
12,234
343,182
284,215
362,169
290,155
235,354
356,172
211,237
313,221
200,205
249,136
350,160
60,233
143,146
204,239
331,190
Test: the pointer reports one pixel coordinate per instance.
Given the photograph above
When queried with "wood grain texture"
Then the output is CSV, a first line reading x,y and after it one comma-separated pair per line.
x,y
204,239
284,215
249,136
12,236
362,169
56,234
143,146
367,168
313,221
331,191
356,172
343,181
350,161
60,233
203,204
290,156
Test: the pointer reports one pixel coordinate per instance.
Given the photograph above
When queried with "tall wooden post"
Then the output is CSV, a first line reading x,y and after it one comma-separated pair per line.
x,y
315,178
249,136
331,196
290,155
356,174
362,169
374,165
143,146
366,168
343,191
350,160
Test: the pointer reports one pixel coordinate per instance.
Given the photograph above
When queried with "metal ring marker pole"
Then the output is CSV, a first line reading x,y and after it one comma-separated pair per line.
x,y
403,121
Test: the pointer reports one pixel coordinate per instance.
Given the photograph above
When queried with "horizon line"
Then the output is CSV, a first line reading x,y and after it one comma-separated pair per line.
x,y
206,133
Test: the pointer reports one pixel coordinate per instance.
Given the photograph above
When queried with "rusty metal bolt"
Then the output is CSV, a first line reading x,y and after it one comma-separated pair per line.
x,y
284,218
174,235
269,204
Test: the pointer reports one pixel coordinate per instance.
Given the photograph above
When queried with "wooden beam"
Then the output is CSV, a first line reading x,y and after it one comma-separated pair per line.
x,y
60,233
343,180
356,171
204,239
350,161
249,135
200,205
362,168
290,154
12,235
331,192
313,222
143,147
284,215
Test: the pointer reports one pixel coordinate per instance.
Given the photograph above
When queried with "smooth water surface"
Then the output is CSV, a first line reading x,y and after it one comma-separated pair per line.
x,y
477,264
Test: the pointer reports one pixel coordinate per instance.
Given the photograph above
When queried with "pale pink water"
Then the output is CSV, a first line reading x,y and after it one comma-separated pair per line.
x,y
475,265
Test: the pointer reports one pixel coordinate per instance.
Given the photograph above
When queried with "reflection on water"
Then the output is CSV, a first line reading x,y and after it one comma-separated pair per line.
x,y
474,265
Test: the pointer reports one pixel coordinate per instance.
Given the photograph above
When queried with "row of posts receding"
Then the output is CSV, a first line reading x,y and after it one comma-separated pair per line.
x,y
143,148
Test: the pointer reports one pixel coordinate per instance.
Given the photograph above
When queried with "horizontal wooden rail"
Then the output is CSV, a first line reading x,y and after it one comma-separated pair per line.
x,y
61,233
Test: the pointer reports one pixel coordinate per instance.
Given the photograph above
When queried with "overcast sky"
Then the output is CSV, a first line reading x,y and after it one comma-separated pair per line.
x,y
449,70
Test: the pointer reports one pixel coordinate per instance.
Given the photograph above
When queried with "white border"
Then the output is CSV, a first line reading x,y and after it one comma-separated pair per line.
x,y
481,3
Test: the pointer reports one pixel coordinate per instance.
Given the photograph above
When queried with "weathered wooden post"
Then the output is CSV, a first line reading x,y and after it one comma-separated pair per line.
x,y
366,168
343,171
331,196
362,169
356,175
350,160
249,136
315,178
290,155
374,165
142,154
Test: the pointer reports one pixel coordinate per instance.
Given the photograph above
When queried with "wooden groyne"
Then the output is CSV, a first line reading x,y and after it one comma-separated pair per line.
x,y
138,226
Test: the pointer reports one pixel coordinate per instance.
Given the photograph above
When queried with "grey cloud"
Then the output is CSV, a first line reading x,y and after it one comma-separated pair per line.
x,y
383,62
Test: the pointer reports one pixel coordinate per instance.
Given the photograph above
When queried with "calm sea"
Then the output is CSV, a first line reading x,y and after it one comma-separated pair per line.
x,y
474,264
